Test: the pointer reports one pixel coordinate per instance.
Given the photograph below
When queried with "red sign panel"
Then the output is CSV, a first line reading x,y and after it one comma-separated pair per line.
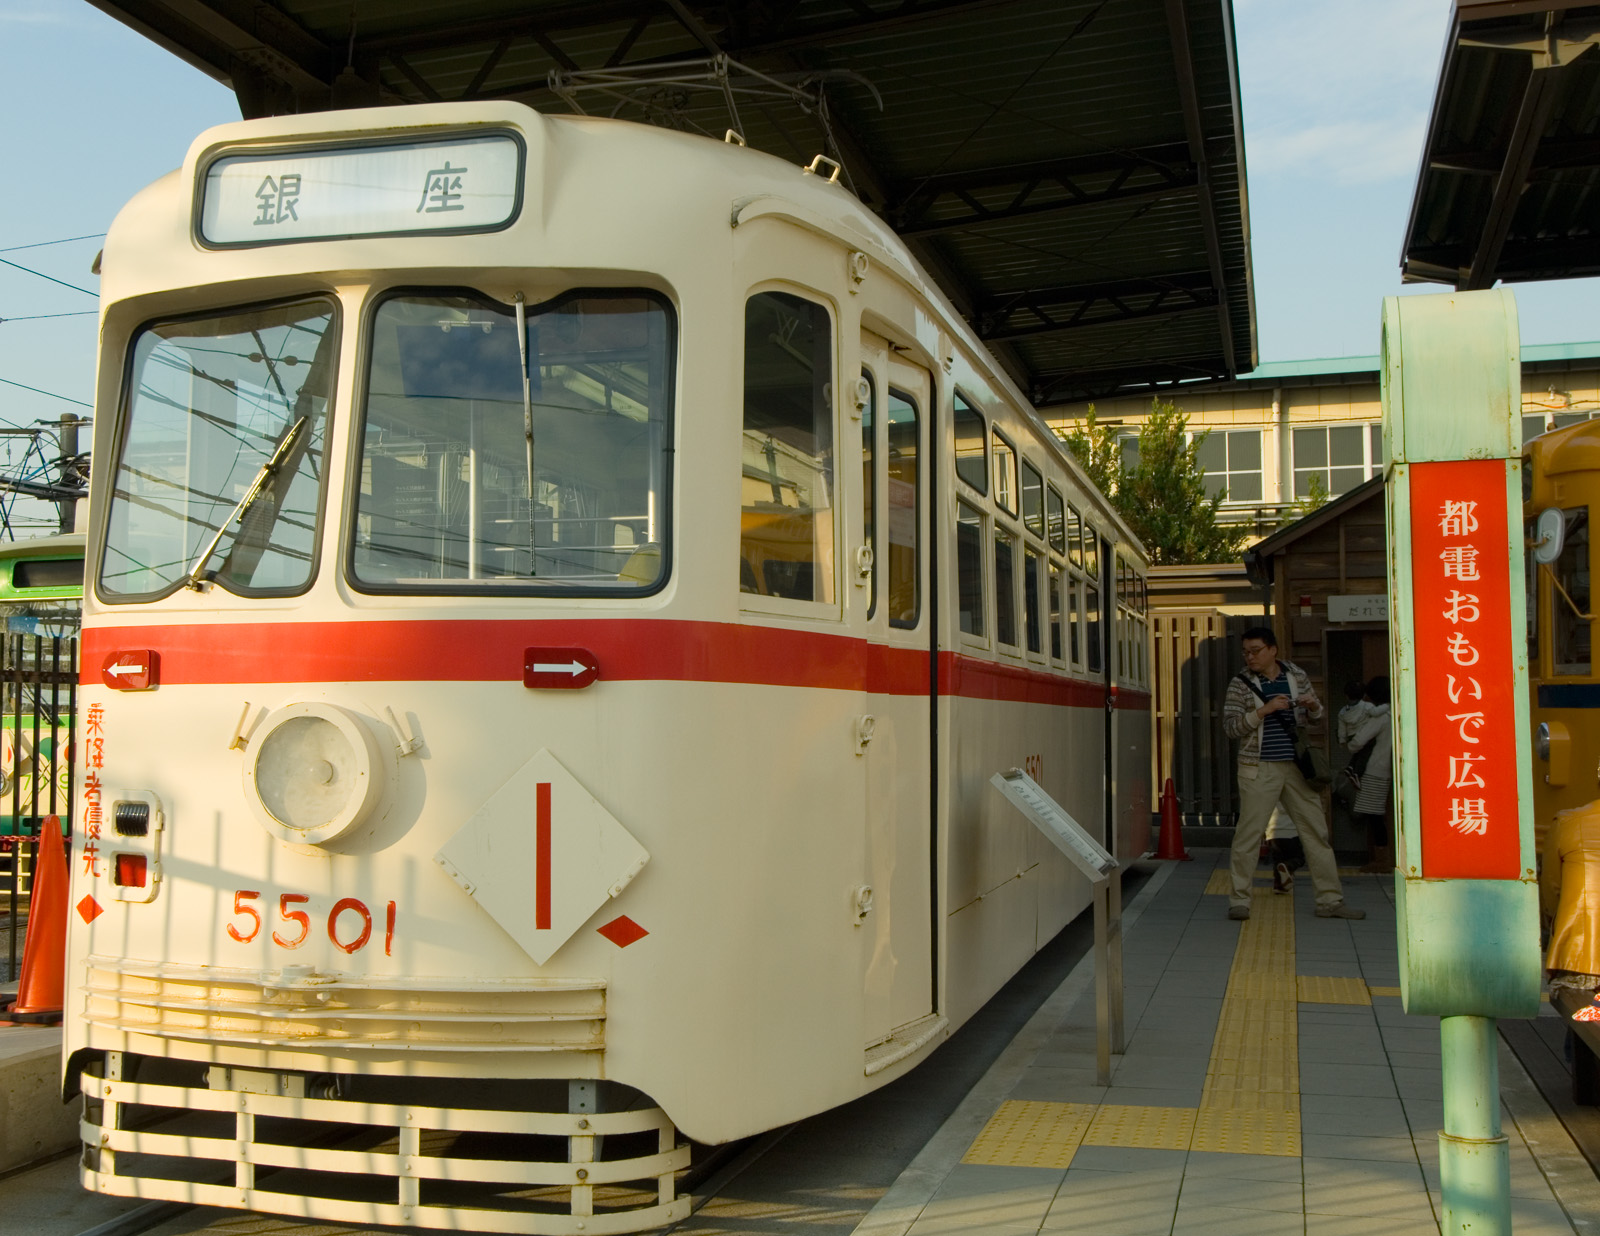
x,y
559,667
130,670
1466,710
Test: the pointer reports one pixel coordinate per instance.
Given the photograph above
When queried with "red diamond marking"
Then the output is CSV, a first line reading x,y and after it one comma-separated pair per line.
x,y
89,909
623,931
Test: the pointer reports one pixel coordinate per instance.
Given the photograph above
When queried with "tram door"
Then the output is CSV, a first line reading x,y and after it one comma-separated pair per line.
x,y
896,474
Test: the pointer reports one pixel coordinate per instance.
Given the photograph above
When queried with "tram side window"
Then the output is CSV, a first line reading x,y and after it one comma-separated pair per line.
x,y
1056,583
786,526
1032,499
1571,629
212,402
971,434
462,488
1031,595
869,489
1056,520
1531,582
1005,587
969,569
905,507
1074,536
1074,621
1092,635
1005,474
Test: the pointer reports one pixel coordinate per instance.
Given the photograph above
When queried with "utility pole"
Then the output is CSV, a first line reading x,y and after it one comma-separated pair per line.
x,y
72,475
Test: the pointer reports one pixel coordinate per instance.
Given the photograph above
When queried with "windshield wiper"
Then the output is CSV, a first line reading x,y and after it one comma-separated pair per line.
x,y
267,471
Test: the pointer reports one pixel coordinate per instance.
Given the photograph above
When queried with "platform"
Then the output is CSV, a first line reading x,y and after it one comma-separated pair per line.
x,y
1272,1084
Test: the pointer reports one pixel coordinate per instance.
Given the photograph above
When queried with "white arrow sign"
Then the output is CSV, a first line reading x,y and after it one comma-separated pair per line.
x,y
121,670
572,667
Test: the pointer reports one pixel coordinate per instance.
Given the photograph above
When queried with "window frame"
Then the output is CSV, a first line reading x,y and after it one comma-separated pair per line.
x,y
1000,439
959,402
332,426
921,413
764,603
1057,546
984,523
356,439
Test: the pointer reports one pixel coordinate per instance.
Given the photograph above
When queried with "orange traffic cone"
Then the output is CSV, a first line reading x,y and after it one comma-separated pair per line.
x,y
41,990
1171,843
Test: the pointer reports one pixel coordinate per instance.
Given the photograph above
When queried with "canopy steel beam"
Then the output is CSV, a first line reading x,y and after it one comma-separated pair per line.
x,y
1073,385
1049,310
248,35
1532,114
1189,97
1035,188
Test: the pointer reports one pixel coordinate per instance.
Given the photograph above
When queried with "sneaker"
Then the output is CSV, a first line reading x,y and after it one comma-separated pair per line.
x,y
1238,913
1282,879
1340,910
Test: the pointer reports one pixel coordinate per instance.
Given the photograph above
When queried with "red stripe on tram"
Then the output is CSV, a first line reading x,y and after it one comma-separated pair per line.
x,y
627,650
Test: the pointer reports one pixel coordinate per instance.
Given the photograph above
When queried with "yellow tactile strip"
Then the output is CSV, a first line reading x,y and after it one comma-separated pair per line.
x,y
1246,1132
1031,1133
1315,990
1154,1128
1382,991
1251,1100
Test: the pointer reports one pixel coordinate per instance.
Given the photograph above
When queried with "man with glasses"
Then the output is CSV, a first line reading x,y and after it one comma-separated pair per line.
x,y
1265,703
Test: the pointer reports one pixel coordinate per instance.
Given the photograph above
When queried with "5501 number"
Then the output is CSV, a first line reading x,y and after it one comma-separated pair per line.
x,y
349,923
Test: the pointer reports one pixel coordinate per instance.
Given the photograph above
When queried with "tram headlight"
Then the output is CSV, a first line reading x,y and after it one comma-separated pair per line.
x,y
1541,741
314,774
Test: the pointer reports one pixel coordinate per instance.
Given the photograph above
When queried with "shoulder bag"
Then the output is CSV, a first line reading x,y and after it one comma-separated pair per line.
x,y
1310,760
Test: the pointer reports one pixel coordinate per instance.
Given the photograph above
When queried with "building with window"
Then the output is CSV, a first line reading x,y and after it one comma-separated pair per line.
x,y
1288,432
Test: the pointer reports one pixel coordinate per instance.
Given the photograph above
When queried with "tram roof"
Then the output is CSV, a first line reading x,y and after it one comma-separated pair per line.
x,y
1071,173
1507,186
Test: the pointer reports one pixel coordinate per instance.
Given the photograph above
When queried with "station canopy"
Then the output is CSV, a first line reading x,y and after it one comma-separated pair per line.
x,y
1071,172
1509,187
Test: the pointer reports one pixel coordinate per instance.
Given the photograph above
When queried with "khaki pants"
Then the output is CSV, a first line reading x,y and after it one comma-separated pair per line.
x,y
1275,782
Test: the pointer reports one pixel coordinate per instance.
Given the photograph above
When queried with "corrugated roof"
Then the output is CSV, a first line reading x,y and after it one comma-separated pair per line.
x,y
1071,172
1509,187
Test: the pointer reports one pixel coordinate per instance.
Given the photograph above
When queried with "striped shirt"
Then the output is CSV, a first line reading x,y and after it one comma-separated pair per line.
x,y
1277,742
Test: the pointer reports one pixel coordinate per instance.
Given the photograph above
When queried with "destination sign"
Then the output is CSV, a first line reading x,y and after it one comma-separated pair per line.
x,y
458,184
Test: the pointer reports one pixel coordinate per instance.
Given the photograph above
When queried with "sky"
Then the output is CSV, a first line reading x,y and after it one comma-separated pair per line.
x,y
1335,98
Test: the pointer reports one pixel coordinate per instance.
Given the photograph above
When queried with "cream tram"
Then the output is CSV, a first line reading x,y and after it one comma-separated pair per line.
x,y
556,595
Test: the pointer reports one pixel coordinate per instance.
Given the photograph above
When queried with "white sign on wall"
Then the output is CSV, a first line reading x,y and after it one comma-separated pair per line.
x,y
1374,608
463,183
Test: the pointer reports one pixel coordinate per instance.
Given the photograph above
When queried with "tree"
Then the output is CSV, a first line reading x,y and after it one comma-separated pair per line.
x,y
1163,496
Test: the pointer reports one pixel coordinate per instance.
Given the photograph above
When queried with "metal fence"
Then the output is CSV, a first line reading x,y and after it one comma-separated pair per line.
x,y
1195,655
38,702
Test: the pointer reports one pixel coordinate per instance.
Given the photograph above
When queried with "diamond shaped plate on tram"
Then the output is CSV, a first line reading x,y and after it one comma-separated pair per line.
x,y
542,856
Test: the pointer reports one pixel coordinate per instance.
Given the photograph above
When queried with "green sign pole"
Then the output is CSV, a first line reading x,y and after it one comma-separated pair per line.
x,y
1465,891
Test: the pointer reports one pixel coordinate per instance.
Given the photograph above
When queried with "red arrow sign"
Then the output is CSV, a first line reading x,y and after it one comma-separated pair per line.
x,y
130,670
562,668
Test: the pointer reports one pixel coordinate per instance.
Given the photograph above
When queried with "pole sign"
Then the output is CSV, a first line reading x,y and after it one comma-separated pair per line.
x,y
1465,676
1466,895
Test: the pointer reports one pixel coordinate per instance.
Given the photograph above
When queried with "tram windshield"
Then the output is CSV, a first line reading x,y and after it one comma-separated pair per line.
x,y
462,487
212,403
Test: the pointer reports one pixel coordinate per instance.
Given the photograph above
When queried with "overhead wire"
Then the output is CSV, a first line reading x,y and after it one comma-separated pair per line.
x,y
51,394
39,317
29,270
41,244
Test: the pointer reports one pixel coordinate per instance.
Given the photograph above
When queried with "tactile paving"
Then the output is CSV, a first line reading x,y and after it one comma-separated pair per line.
x,y
1382,991
1221,882
1258,985
1319,990
1247,1132
1151,1128
1032,1133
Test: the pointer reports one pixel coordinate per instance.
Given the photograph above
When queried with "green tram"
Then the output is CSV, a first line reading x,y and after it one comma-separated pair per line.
x,y
41,600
